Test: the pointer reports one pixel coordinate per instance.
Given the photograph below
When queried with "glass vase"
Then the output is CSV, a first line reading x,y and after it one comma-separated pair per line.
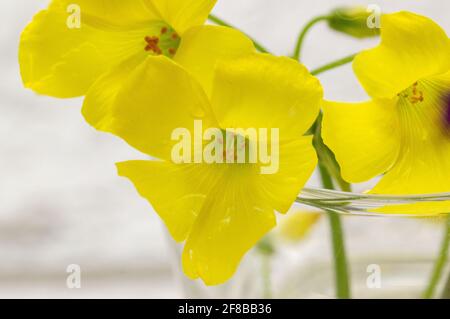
x,y
396,248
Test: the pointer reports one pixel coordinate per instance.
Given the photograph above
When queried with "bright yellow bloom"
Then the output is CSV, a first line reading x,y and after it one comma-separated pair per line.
x,y
404,131
220,210
61,58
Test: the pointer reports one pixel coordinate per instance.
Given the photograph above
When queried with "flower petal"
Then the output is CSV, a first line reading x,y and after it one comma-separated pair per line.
x,y
232,221
263,91
64,62
159,97
364,137
423,165
112,12
419,209
412,47
201,48
101,96
171,191
297,225
184,14
297,161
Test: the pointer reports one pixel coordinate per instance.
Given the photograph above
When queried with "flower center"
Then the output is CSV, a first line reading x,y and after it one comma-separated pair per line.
x,y
165,43
236,148
428,101
413,94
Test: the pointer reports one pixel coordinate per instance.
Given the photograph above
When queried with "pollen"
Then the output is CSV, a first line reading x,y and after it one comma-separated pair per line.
x,y
172,51
417,95
413,94
152,45
165,41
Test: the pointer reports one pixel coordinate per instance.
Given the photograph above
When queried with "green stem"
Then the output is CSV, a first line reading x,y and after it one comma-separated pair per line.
x,y
303,33
221,22
446,293
266,250
439,265
326,169
340,257
266,274
333,64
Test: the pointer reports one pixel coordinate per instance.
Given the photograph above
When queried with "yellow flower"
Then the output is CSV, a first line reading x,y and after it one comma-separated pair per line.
x,y
89,47
404,131
219,210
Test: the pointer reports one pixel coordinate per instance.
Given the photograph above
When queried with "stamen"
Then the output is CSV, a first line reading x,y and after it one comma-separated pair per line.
x,y
413,94
165,43
417,95
152,45
172,51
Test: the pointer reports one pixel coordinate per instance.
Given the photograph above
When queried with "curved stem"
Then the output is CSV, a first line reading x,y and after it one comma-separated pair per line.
x,y
221,22
439,265
303,33
337,238
334,64
446,293
266,274
337,235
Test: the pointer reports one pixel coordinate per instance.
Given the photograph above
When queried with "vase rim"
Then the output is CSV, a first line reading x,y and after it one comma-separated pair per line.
x,y
376,204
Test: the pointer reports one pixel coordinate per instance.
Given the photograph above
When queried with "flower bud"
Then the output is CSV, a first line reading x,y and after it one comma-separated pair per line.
x,y
357,22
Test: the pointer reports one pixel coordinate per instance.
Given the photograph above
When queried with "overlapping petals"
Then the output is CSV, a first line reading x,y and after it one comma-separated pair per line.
x,y
96,58
220,210
184,14
64,62
364,137
404,132
412,47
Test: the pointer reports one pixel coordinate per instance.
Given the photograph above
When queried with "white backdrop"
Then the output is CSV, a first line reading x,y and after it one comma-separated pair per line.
x,y
61,202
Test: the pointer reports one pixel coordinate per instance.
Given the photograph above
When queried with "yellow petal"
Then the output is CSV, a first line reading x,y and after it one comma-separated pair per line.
x,y
297,161
423,165
424,209
412,47
233,220
113,12
263,91
201,48
297,225
64,62
364,137
159,97
184,14
171,191
97,106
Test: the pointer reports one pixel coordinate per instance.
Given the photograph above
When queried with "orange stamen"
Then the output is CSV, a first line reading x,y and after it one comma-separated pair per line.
x,y
152,45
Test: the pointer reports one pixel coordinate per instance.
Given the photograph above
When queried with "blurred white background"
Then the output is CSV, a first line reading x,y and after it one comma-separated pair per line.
x,y
61,202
